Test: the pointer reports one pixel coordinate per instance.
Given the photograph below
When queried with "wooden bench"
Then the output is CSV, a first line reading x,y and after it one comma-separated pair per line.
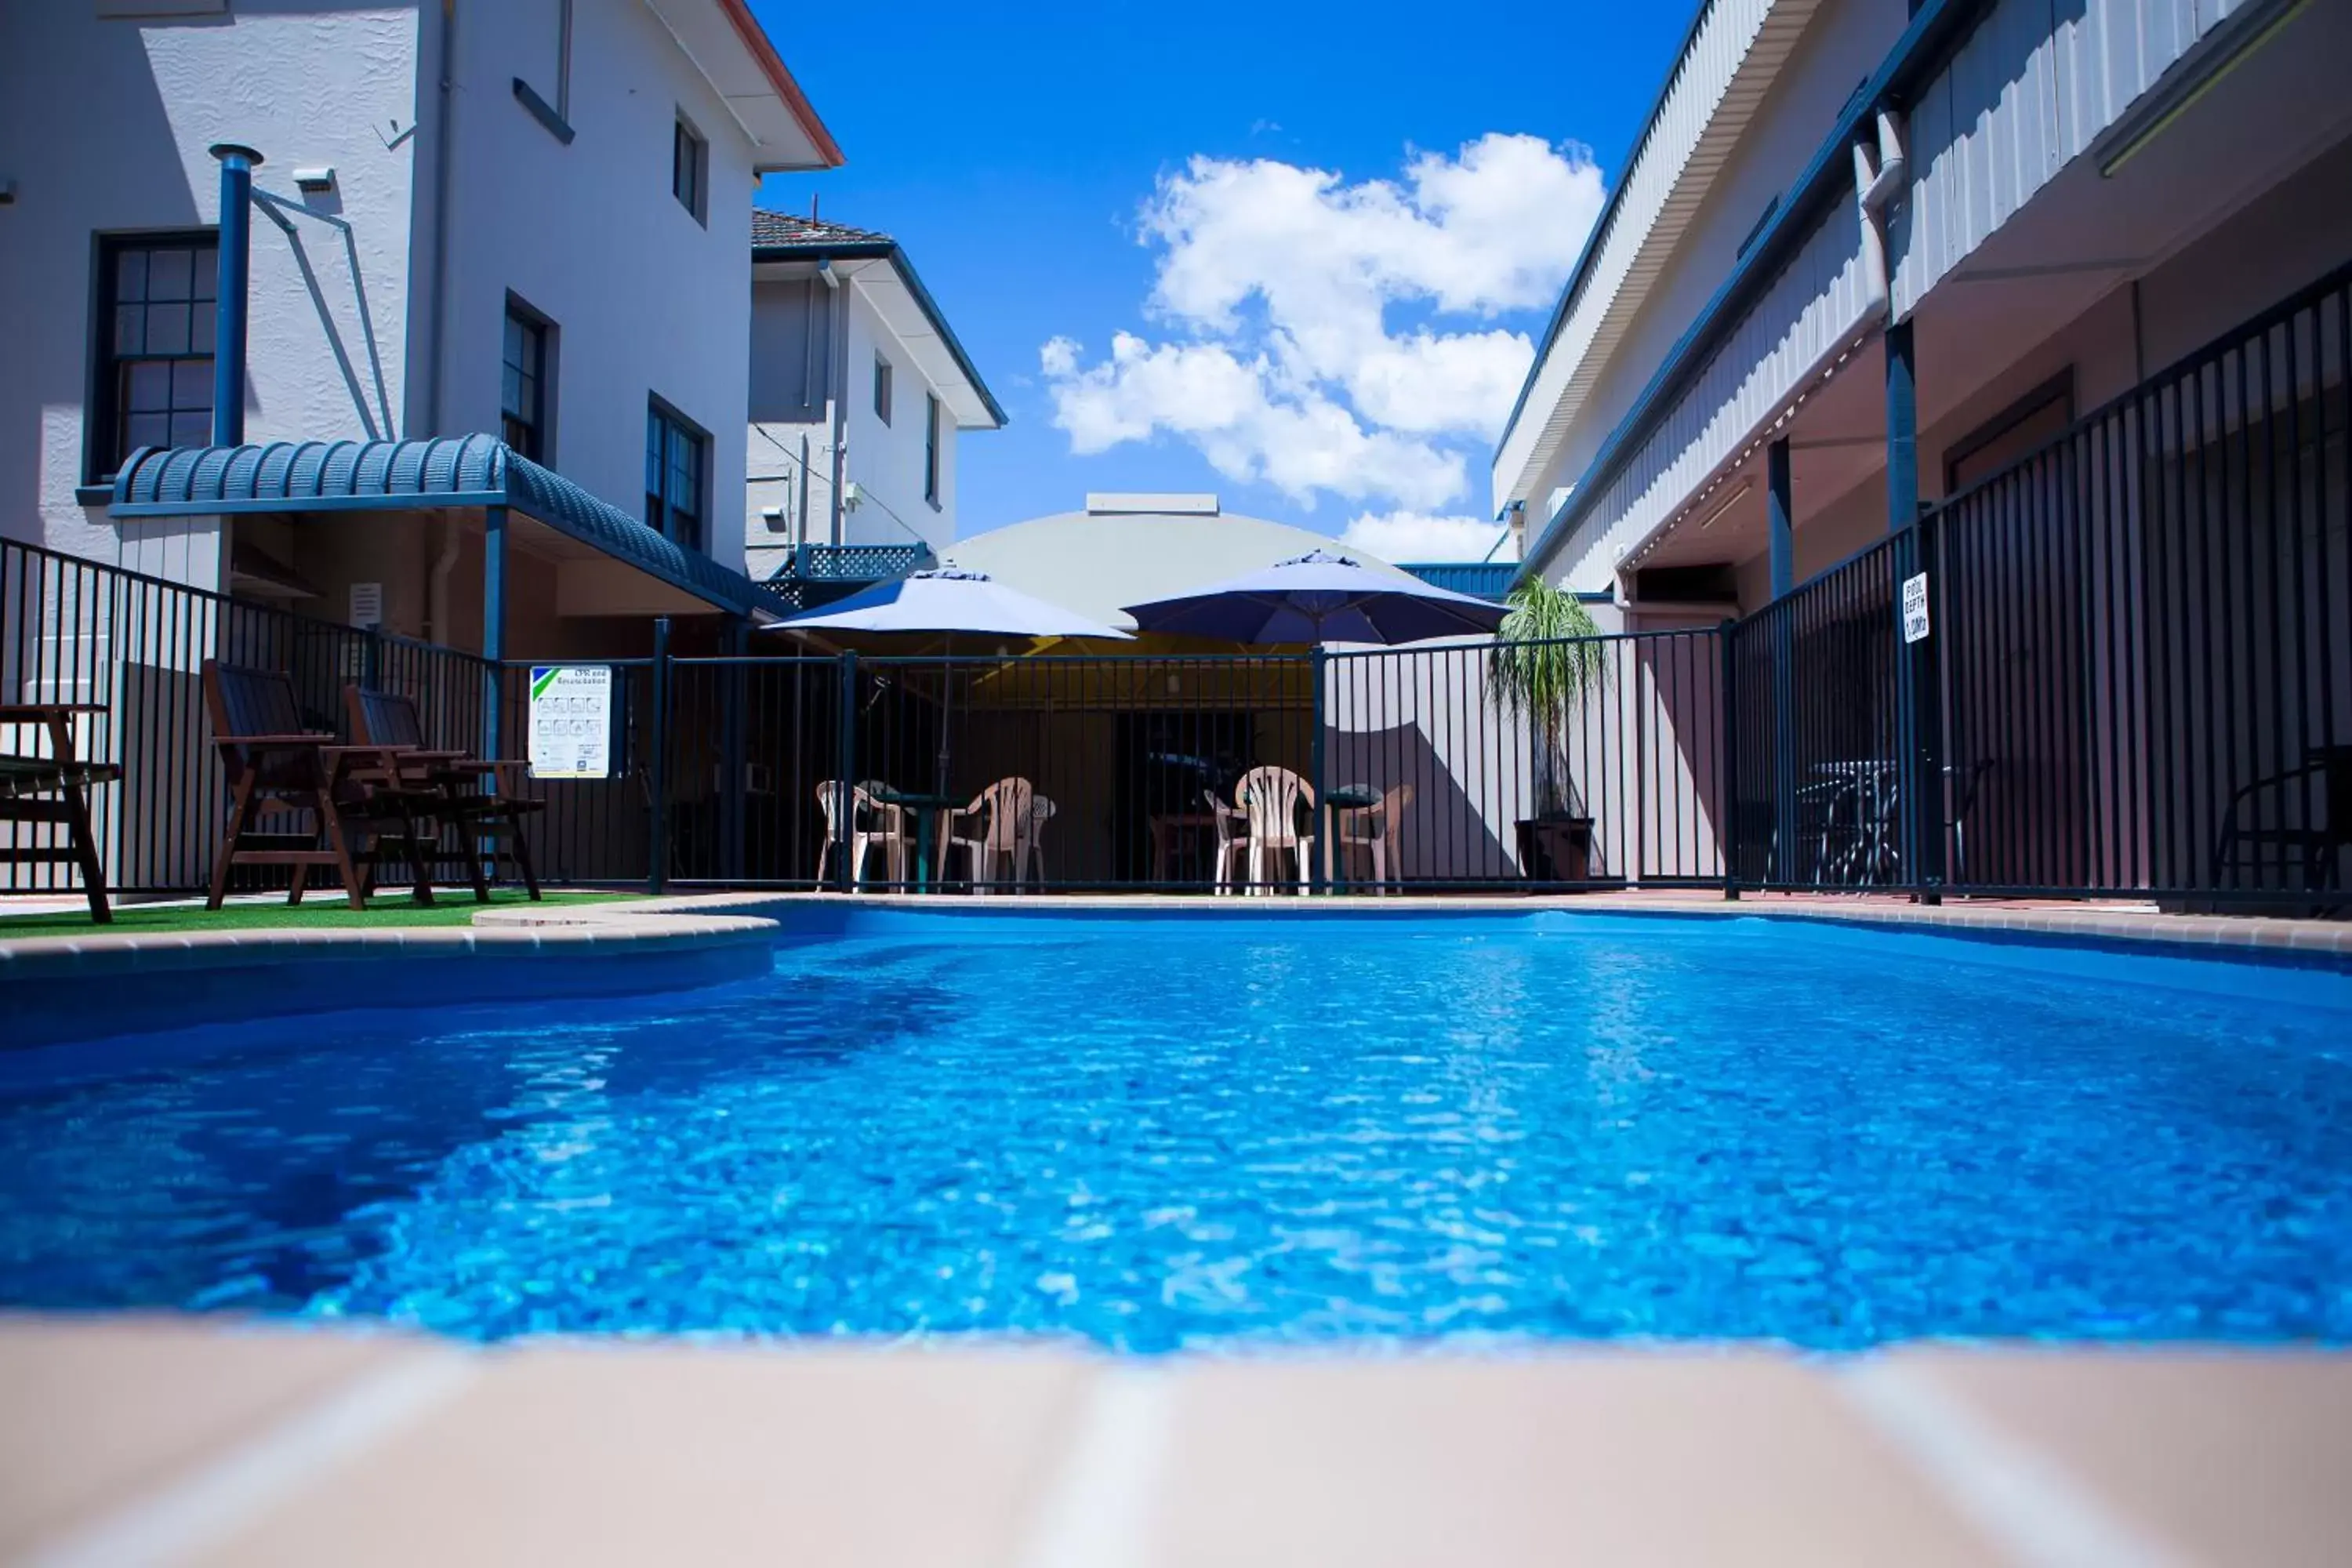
x,y
53,790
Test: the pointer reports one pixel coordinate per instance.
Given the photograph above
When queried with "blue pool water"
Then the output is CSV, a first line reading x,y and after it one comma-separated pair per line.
x,y
1159,1133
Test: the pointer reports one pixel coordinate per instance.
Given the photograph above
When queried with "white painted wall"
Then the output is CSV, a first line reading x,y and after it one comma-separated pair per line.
x,y
884,460
104,123
647,300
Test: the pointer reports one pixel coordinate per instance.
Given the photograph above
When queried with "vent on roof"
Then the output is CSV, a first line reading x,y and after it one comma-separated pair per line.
x,y
1100,504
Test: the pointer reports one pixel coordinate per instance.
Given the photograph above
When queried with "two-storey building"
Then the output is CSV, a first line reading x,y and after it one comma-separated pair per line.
x,y
525,225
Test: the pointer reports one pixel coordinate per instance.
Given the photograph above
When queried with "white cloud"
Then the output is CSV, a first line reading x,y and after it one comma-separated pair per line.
x,y
1278,283
1418,536
1244,419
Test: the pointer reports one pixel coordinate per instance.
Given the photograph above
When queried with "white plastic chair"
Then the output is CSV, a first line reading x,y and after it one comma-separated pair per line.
x,y
1270,797
1232,825
872,825
1373,829
1007,830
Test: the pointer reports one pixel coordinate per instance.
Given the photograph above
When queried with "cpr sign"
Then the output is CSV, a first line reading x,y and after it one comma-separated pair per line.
x,y
570,722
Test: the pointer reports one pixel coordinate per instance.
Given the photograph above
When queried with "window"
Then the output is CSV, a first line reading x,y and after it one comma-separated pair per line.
x,y
674,453
2034,420
153,361
524,381
882,389
931,449
690,158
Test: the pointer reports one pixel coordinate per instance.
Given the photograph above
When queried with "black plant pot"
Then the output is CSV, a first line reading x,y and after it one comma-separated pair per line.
x,y
1556,848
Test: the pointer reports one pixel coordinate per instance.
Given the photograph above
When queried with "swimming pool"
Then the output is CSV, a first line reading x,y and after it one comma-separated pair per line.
x,y
1159,1132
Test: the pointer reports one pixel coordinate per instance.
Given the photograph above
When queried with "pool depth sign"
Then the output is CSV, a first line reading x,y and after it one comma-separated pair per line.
x,y
1915,608
570,722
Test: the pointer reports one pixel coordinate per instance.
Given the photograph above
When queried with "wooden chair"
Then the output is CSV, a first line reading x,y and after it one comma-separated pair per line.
x,y
1372,831
1272,798
481,800
1231,825
361,816
1009,828
872,825
52,790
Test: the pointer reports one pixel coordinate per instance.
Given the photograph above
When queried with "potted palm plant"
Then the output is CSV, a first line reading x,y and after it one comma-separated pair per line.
x,y
1545,660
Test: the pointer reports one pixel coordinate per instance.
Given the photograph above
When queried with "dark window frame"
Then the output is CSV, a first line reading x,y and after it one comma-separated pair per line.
x,y
689,168
106,442
882,377
931,408
522,311
687,528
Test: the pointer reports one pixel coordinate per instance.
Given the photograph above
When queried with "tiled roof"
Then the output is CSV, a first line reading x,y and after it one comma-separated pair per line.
x,y
771,231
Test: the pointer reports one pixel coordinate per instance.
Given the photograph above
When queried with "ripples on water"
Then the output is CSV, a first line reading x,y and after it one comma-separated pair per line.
x,y
1157,1135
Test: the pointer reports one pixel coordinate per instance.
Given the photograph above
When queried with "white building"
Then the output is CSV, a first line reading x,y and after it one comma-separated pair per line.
x,y
526,220
2040,207
859,390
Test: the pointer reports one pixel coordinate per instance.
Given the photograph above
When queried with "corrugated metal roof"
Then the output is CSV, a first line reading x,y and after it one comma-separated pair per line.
x,y
1479,579
406,476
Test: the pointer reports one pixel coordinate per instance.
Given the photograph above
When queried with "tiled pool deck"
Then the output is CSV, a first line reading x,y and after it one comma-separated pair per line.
x,y
163,1440
152,1439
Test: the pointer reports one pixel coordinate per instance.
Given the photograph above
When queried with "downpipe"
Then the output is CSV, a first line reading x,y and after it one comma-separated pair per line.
x,y
1882,177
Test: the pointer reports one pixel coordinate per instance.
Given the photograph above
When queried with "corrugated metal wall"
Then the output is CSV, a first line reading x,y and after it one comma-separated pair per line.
x,y
1812,310
2028,92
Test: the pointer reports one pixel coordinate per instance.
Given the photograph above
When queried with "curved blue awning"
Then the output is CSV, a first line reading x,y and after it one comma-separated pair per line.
x,y
411,475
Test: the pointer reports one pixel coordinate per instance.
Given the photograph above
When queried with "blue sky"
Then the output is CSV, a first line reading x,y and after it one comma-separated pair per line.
x,y
1318,350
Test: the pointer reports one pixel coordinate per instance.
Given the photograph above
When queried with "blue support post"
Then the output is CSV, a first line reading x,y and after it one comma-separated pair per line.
x,y
235,257
845,874
657,762
1780,518
1901,430
1727,771
494,624
1325,819
1918,684
733,751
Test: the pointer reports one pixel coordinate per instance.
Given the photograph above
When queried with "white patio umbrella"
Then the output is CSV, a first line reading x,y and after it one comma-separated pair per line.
x,y
948,601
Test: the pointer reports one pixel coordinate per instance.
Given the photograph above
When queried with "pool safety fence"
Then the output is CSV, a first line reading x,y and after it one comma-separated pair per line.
x,y
2119,666
132,647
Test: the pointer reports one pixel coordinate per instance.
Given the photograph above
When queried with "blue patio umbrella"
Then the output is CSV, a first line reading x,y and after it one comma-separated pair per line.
x,y
1319,597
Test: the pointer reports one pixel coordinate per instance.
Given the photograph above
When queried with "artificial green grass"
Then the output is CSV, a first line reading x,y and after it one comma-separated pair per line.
x,y
316,910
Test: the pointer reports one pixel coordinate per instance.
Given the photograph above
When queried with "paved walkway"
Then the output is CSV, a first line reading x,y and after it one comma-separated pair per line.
x,y
177,1440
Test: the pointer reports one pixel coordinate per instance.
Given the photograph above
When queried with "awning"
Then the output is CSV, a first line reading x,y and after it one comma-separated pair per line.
x,y
444,472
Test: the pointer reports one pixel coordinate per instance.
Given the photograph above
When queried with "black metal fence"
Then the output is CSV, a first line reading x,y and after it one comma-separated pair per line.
x,y
1145,772
2132,671
2121,666
133,646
